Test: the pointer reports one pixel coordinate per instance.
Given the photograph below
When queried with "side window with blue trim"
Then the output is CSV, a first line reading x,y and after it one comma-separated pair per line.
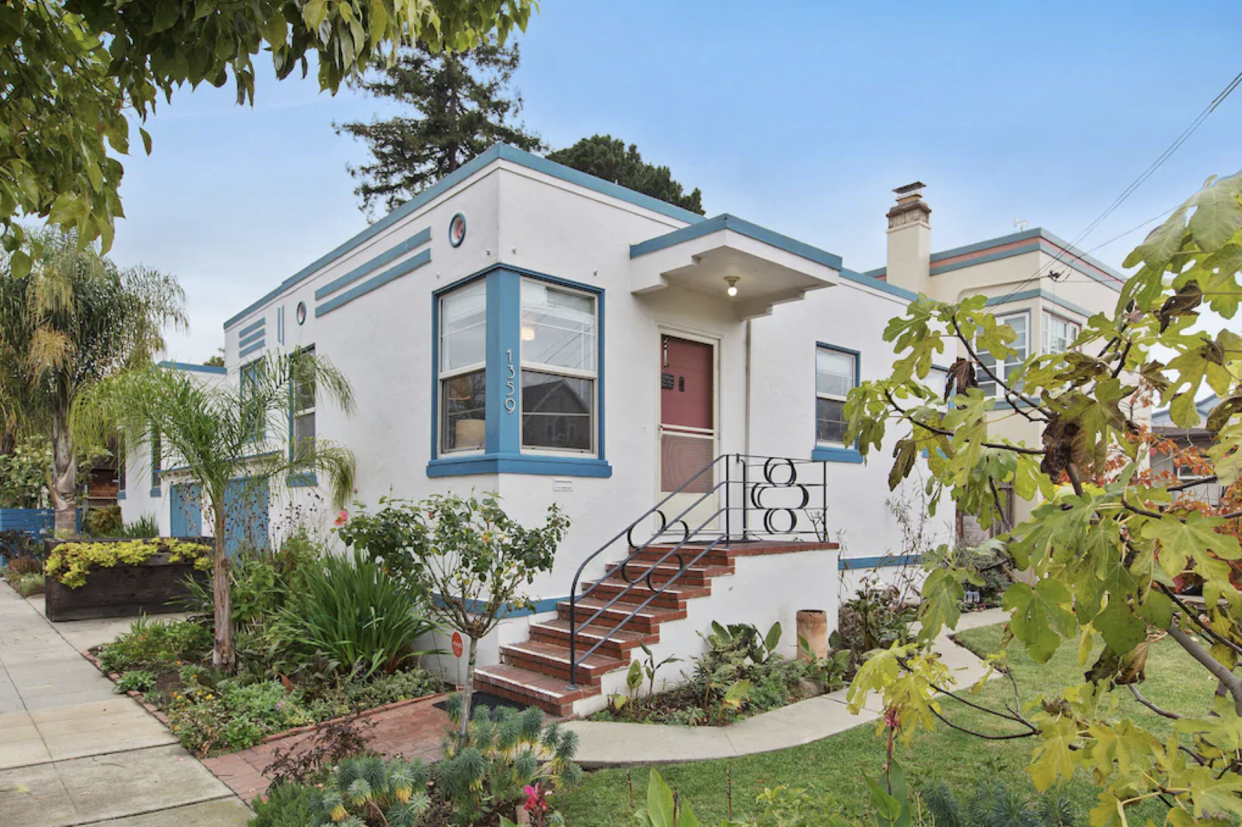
x,y
836,374
463,367
301,409
558,368
1020,323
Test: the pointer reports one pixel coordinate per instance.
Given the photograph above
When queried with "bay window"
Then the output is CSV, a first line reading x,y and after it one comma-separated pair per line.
x,y
1059,333
463,367
558,364
1019,323
836,373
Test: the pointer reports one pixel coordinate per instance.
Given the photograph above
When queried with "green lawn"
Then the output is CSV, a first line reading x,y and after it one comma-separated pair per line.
x,y
835,765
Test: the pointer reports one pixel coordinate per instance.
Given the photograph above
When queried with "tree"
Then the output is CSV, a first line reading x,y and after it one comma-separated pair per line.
x,y
75,71
223,433
458,104
216,361
1102,558
606,157
67,323
466,554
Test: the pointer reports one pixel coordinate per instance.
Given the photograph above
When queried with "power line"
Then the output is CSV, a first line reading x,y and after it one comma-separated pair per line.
x,y
1138,182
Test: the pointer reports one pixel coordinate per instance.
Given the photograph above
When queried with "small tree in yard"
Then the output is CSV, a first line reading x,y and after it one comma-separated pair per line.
x,y
1108,543
469,556
222,433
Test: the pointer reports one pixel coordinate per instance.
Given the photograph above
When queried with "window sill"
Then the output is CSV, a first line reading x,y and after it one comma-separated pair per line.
x,y
519,464
120,495
834,454
302,480
156,492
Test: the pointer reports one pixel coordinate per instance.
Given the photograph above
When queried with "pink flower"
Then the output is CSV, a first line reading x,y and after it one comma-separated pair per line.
x,y
891,719
536,800
342,517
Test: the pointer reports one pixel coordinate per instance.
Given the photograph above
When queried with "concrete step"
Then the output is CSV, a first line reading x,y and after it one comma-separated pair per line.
x,y
552,695
552,659
646,621
616,643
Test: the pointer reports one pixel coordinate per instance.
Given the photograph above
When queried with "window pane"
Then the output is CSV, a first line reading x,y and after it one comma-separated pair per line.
x,y
834,372
462,411
463,326
558,327
829,420
557,411
303,433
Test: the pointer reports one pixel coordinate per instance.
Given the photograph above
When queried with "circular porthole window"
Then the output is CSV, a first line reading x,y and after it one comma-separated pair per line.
x,y
300,313
457,230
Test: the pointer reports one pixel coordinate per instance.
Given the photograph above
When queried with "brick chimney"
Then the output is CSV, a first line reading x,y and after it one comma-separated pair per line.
x,y
909,240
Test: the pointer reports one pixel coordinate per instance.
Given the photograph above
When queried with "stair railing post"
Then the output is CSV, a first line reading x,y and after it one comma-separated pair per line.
x,y
573,636
745,498
728,513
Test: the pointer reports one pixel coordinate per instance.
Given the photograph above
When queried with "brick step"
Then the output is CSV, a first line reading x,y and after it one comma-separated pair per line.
x,y
552,659
718,556
616,643
673,597
552,695
699,575
646,622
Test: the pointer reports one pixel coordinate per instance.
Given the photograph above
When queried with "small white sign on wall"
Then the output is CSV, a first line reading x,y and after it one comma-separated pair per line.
x,y
562,484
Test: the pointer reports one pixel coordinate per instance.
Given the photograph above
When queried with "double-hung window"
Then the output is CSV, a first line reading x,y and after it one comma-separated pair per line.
x,y
252,408
559,371
836,373
302,409
1019,323
1059,333
463,373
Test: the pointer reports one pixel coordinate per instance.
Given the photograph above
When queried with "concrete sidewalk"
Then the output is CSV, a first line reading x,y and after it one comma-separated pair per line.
x,y
606,744
74,752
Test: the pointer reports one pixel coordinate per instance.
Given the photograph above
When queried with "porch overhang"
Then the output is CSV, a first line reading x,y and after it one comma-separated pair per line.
x,y
770,268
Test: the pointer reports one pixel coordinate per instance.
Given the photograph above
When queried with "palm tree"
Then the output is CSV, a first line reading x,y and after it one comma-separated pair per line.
x,y
222,433
72,321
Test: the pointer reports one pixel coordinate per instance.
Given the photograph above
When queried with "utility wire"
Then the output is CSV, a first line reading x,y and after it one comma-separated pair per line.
x,y
1136,183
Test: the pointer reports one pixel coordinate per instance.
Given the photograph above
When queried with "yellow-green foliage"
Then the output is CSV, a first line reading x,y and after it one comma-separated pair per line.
x,y
69,562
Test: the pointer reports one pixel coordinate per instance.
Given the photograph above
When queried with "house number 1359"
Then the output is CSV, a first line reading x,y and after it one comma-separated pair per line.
x,y
510,402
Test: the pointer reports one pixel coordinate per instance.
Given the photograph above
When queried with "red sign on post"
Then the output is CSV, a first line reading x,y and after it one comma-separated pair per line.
x,y
457,645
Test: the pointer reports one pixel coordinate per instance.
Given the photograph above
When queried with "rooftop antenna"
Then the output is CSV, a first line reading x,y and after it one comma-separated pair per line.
x,y
1020,224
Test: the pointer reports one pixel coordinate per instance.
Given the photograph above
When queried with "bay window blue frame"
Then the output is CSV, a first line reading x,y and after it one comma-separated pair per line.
x,y
835,453
502,433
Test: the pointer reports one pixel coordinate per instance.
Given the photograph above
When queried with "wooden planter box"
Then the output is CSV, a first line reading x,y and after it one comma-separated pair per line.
x,y
123,590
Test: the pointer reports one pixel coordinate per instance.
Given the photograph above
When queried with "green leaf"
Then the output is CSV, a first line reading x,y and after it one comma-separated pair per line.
x,y
1218,215
942,593
1041,617
773,638
19,264
660,802
1195,539
1053,758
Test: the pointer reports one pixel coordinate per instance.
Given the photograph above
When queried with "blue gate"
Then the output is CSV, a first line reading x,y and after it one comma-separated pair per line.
x,y
185,510
246,520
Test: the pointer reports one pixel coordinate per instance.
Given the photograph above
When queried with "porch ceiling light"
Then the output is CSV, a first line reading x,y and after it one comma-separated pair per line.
x,y
732,282
528,334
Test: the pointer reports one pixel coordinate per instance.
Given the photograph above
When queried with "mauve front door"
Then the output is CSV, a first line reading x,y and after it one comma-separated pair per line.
x,y
687,427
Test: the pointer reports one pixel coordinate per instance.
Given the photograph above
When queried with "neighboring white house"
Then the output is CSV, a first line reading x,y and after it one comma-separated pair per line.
x,y
524,328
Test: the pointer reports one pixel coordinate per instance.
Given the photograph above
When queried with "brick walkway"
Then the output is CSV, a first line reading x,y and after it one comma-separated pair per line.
x,y
413,730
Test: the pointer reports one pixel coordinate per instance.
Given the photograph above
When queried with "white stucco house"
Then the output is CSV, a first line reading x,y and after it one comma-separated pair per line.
x,y
524,328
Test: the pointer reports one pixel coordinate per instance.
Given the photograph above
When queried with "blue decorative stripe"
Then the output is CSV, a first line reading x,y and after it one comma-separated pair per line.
x,y
417,240
256,346
518,464
548,604
304,480
1039,294
825,453
1033,247
853,563
246,341
374,283
967,249
195,368
156,491
250,328
495,153
120,495
741,227
871,281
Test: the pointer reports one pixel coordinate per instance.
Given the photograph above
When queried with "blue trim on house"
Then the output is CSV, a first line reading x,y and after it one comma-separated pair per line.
x,y
417,240
853,563
190,367
280,325
1045,295
537,464
383,278
548,604
256,346
1033,247
725,221
871,281
120,495
827,453
966,249
246,341
156,491
252,327
496,152
304,480
835,453
502,426
464,227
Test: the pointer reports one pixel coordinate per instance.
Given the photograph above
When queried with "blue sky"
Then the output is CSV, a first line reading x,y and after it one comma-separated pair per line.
x,y
798,116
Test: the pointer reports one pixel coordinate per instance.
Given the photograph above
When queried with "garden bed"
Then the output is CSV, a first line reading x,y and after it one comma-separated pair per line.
x,y
120,577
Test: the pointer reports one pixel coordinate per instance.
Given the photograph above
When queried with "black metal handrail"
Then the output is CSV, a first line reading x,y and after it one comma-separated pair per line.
x,y
751,503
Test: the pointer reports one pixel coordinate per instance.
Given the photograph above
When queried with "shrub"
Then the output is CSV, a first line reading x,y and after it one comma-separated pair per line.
x,y
288,805
349,612
232,716
18,545
103,522
874,618
25,565
137,680
349,696
69,563
994,805
31,584
305,761
144,527
155,645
